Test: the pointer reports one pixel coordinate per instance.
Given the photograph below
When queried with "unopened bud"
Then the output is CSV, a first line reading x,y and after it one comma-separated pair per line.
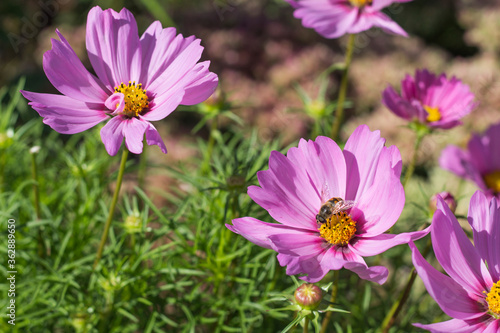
x,y
448,199
214,104
308,296
316,109
133,223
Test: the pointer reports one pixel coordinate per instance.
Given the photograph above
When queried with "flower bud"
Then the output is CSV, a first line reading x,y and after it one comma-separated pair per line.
x,y
214,104
316,109
308,296
448,199
133,223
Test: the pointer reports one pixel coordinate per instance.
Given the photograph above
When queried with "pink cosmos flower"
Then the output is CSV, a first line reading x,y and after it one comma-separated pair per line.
x,y
471,292
335,18
138,80
431,100
480,162
365,177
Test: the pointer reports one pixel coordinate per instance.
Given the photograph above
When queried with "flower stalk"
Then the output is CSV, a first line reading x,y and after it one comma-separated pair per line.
x,y
335,288
36,198
339,113
143,161
306,324
393,313
111,208
210,144
421,131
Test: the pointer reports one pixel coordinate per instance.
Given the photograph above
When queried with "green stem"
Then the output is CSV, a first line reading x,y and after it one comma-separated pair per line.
x,y
141,174
36,192
36,199
316,128
339,115
210,145
111,208
335,287
411,167
393,313
306,325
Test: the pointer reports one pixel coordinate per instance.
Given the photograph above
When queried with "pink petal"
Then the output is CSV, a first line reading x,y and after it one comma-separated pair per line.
x,y
379,206
159,48
318,265
460,163
328,19
387,24
164,104
310,265
323,163
286,193
450,296
65,114
455,252
481,147
116,103
455,326
484,218
493,327
258,232
184,60
154,138
362,153
371,246
378,5
303,245
113,46
357,264
201,86
133,131
396,104
112,136
67,73
377,274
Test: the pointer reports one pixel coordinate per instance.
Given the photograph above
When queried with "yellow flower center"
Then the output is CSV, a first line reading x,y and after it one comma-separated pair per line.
x,y
433,114
338,229
493,299
360,3
492,180
136,99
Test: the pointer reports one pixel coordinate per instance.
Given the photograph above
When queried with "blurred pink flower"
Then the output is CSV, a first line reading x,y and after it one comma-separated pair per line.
x,y
431,100
295,188
447,197
138,80
480,162
335,18
471,292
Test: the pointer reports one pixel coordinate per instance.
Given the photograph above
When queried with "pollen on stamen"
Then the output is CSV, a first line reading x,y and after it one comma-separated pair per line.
x,y
360,3
433,114
492,180
493,299
338,229
136,100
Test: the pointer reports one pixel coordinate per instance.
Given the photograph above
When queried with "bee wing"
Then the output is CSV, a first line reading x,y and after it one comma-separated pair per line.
x,y
325,193
343,205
